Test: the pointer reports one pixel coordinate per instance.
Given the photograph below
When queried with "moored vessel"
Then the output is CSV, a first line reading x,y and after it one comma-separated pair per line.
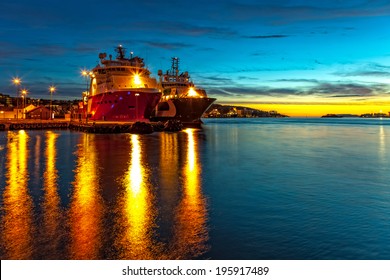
x,y
180,99
121,89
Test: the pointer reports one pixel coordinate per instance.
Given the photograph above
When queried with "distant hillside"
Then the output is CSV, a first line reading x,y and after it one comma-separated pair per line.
x,y
230,111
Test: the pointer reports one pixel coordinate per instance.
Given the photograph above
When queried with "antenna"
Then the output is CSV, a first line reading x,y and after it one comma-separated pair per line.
x,y
175,66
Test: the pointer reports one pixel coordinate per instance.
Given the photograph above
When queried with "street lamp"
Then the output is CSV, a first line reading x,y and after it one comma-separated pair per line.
x,y
17,81
86,75
24,94
52,89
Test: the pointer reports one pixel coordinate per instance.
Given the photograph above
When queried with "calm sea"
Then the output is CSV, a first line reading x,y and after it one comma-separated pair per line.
x,y
237,189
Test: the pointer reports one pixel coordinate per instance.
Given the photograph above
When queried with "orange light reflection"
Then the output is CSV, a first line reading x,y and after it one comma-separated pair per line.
x,y
136,221
191,232
87,207
17,231
52,215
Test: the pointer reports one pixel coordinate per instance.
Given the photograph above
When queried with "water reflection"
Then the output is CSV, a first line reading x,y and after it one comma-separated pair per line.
x,y
382,144
86,209
135,220
158,209
37,157
169,182
52,215
17,223
191,232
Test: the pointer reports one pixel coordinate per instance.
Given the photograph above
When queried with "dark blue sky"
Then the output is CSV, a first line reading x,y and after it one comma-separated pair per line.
x,y
238,50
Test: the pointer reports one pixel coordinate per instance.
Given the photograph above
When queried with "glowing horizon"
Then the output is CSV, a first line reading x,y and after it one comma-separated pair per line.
x,y
303,109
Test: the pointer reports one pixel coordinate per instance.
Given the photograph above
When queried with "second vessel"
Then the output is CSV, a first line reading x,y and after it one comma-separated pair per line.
x,y
181,100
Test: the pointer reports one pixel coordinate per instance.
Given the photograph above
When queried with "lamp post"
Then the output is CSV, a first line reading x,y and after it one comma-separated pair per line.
x,y
87,75
24,94
16,81
52,89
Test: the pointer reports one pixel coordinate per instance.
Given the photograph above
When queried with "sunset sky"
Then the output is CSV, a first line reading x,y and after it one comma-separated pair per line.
x,y
301,58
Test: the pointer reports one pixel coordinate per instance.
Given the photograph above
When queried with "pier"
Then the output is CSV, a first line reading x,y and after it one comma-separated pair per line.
x,y
25,124
95,127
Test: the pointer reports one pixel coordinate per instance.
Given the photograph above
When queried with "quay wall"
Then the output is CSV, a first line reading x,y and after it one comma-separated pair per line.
x,y
95,127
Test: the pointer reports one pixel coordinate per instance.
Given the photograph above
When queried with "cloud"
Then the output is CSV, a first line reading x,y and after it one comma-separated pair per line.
x,y
287,13
265,36
317,90
183,29
298,80
366,70
167,46
250,92
365,73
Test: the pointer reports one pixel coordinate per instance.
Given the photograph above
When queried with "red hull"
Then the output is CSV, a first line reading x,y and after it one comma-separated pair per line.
x,y
129,105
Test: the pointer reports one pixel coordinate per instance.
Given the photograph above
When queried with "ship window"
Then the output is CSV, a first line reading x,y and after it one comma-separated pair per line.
x,y
131,107
110,101
163,106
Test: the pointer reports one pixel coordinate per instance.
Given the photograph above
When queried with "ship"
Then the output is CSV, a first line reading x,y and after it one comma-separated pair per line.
x,y
181,99
121,89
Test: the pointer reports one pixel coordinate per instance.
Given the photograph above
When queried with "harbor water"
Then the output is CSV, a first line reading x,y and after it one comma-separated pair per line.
x,y
237,189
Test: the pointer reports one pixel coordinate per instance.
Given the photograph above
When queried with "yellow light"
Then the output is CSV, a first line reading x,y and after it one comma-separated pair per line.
x,y
24,92
192,92
52,89
137,80
84,73
16,81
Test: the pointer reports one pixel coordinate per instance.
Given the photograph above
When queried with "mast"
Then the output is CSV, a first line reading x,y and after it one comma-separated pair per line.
x,y
175,66
120,52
